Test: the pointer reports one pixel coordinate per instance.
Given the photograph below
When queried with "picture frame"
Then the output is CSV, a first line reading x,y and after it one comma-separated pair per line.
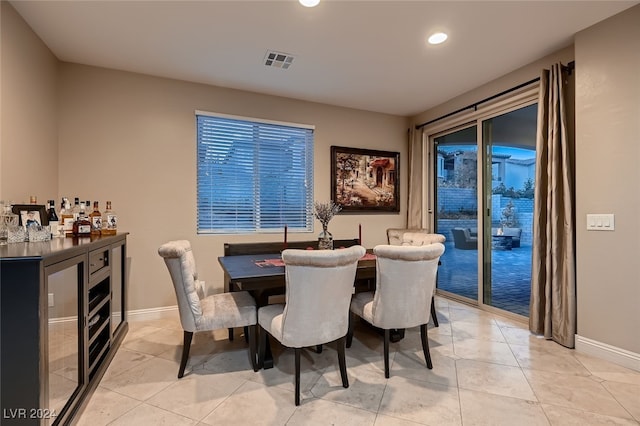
x,y
365,180
31,213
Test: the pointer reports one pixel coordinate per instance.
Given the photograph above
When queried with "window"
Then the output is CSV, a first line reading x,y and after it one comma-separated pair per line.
x,y
253,175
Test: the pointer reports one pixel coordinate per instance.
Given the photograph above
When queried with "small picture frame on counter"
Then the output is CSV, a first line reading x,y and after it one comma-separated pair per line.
x,y
31,214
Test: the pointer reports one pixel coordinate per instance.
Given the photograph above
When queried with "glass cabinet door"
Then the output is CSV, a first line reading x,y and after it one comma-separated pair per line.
x,y
64,335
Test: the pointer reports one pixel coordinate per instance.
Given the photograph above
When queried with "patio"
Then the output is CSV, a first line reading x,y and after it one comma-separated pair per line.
x,y
510,270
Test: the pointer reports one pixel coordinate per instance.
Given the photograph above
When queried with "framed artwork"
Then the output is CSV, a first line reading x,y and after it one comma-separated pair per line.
x,y
365,180
31,214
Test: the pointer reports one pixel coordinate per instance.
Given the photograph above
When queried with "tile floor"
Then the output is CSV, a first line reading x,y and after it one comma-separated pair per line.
x,y
488,370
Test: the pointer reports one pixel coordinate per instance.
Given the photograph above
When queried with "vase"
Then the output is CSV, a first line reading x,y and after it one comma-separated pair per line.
x,y
325,239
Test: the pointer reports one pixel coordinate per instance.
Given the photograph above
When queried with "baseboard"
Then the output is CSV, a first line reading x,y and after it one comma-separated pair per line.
x,y
607,352
153,313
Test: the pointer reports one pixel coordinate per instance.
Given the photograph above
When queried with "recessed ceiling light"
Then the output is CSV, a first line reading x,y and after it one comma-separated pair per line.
x,y
437,38
309,3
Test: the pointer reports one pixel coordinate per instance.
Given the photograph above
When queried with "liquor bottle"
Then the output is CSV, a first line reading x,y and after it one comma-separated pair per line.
x,y
109,221
66,213
76,208
54,223
82,226
96,219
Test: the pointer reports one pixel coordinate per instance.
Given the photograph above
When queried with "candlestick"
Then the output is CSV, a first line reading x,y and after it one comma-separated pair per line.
x,y
285,236
360,234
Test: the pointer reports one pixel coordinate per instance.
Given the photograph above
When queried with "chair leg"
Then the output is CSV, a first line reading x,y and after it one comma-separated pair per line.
x,y
186,345
386,354
262,345
231,334
434,317
342,362
350,329
297,357
425,345
251,332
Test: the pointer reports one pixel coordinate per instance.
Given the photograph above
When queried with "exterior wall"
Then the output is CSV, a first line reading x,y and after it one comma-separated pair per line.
x,y
608,180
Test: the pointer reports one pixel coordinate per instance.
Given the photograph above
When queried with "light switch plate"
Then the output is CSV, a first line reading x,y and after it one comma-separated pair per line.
x,y
600,222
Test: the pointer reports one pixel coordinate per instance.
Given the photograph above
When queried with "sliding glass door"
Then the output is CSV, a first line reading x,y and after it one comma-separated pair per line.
x,y
456,212
483,204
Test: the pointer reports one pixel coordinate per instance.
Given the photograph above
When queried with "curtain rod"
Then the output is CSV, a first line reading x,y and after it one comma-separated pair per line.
x,y
569,67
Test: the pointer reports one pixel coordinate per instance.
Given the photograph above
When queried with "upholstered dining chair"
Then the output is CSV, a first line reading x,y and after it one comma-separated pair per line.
x,y
416,237
405,279
200,313
319,285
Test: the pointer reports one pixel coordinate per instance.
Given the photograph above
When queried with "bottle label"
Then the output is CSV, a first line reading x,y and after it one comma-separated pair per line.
x,y
111,221
96,222
67,225
84,229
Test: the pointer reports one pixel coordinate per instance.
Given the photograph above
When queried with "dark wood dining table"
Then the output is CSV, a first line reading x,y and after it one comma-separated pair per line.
x,y
262,275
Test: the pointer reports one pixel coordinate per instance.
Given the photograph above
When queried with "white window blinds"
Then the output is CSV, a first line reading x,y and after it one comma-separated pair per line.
x,y
253,176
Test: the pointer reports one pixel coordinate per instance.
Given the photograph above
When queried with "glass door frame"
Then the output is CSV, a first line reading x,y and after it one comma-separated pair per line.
x,y
511,102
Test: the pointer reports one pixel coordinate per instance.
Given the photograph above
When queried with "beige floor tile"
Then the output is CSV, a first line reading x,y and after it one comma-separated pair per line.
x,y
204,345
366,387
626,394
571,391
138,330
562,416
156,342
254,404
476,379
421,402
321,412
485,350
464,313
551,357
522,336
383,420
608,370
197,395
233,362
463,330
106,406
411,365
145,414
480,409
124,360
312,366
145,380
494,378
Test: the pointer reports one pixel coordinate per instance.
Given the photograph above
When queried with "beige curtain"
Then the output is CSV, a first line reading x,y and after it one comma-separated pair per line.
x,y
553,287
414,203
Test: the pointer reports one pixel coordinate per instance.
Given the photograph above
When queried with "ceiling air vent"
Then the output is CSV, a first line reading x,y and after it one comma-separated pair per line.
x,y
278,59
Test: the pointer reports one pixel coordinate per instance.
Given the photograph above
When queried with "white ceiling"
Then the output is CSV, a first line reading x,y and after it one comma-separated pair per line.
x,y
369,55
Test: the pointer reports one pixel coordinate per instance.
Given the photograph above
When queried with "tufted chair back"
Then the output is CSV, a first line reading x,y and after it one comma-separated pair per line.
x,y
406,278
182,268
319,287
412,237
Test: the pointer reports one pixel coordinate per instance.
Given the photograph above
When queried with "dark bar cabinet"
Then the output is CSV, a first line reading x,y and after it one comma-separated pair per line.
x,y
62,318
